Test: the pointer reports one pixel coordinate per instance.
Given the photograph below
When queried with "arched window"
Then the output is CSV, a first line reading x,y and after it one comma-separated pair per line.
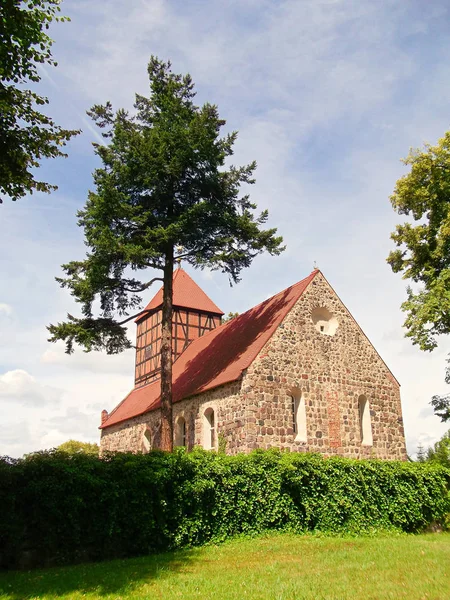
x,y
209,429
365,425
147,440
298,414
180,432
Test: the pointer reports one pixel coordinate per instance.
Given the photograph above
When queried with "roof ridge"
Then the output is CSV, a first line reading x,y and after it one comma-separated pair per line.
x,y
286,309
218,356
254,307
284,290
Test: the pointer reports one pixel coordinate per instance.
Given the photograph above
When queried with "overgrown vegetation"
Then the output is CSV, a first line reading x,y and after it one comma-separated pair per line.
x,y
60,508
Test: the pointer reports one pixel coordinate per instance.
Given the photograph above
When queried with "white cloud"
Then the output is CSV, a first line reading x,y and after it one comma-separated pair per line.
x,y
426,412
31,426
95,407
316,59
5,309
18,386
95,362
52,439
16,438
113,36
75,424
12,433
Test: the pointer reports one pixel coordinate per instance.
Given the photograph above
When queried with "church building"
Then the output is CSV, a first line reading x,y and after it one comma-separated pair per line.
x,y
295,372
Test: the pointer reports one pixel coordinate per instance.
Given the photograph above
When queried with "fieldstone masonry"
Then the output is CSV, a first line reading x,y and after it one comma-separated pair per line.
x,y
330,367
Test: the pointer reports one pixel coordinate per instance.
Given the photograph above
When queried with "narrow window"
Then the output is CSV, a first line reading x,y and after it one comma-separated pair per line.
x,y
180,432
294,415
365,425
209,429
147,440
299,415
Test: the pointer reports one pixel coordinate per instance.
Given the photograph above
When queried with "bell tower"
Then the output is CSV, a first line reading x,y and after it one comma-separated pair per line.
x,y
194,314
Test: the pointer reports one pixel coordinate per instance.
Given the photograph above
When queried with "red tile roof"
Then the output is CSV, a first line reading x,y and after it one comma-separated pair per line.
x,y
186,294
217,357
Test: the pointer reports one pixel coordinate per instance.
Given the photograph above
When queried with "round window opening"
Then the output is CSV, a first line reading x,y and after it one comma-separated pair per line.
x,y
324,321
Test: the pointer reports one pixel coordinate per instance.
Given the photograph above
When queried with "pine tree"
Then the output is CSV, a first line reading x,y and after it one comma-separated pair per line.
x,y
162,194
421,454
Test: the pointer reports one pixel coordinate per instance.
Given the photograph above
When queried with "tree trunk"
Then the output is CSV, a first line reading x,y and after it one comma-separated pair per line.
x,y
166,356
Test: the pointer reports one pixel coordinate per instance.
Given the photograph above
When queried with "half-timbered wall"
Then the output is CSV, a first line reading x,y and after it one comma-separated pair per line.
x,y
187,325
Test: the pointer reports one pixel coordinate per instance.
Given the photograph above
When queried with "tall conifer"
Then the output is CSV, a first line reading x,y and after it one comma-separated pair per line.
x,y
163,193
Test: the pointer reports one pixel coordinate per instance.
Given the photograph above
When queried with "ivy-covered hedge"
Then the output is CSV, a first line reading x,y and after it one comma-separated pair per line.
x,y
56,508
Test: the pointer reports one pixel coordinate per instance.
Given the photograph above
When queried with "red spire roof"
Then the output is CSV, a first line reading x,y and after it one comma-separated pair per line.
x,y
186,294
217,357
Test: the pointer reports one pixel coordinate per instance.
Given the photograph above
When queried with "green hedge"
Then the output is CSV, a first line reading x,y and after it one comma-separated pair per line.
x,y
56,508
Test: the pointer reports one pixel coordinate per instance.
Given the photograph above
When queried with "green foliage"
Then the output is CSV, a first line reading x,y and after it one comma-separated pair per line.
x,y
57,508
162,185
222,443
229,317
26,134
441,404
423,248
74,447
440,453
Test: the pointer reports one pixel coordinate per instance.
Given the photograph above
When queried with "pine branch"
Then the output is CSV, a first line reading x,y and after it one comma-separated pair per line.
x,y
144,286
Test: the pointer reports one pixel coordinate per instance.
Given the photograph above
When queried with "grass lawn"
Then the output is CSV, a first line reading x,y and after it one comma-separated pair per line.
x,y
276,566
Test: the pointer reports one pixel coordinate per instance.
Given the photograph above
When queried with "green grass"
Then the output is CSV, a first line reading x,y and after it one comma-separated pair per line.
x,y
276,566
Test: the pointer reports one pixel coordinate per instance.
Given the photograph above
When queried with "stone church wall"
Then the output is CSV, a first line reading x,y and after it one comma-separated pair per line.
x,y
229,413
138,434
329,370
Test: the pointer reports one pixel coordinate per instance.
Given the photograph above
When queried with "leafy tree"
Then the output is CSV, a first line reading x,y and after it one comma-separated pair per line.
x,y
423,248
440,453
163,194
229,317
75,447
26,134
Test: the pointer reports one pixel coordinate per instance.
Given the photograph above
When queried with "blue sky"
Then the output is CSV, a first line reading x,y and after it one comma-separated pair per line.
x,y
327,96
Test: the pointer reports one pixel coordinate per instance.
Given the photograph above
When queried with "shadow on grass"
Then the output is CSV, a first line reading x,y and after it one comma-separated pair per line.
x,y
103,578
